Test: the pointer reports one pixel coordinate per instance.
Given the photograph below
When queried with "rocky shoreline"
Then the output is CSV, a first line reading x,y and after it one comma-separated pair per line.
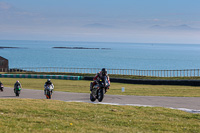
x,y
78,48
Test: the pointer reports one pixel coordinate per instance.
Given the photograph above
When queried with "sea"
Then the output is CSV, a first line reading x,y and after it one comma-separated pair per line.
x,y
111,55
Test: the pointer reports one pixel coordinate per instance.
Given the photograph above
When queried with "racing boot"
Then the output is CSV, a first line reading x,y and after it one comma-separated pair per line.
x,y
91,86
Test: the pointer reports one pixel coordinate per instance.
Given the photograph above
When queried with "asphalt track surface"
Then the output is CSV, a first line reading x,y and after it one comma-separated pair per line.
x,y
188,104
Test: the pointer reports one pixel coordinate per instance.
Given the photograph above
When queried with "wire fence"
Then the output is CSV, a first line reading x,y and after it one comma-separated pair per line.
x,y
135,72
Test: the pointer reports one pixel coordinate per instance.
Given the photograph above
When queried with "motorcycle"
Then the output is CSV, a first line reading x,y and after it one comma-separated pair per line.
x,y
48,90
1,87
98,91
17,90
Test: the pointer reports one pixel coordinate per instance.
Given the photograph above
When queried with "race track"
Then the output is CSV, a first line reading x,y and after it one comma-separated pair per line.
x,y
189,104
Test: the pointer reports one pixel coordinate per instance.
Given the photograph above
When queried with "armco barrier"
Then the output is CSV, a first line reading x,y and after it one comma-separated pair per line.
x,y
66,77
153,82
129,81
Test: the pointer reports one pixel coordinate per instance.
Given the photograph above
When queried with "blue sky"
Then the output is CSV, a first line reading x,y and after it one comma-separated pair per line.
x,y
137,21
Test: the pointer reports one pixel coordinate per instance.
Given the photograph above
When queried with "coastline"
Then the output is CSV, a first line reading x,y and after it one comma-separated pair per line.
x,y
7,47
79,48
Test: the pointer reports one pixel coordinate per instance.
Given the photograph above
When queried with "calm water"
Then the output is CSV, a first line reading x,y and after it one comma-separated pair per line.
x,y
121,55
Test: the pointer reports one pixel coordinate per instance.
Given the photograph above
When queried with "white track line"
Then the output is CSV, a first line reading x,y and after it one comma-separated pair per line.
x,y
182,109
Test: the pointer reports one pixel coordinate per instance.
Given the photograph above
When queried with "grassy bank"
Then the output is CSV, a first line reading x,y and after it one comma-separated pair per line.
x,y
26,115
82,86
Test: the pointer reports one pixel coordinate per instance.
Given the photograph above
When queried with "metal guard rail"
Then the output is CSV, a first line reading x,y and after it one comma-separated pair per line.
x,y
135,72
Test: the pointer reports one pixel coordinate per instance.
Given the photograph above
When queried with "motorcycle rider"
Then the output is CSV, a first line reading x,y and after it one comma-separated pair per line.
x,y
1,83
99,76
48,82
17,83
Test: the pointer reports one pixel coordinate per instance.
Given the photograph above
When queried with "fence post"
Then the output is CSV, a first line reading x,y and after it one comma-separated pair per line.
x,y
161,73
184,73
167,73
164,73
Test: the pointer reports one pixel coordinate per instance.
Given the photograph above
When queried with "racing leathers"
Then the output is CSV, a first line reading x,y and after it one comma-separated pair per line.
x,y
48,83
97,77
16,85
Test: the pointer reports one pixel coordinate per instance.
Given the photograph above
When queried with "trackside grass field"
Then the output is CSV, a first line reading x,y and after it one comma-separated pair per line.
x,y
28,115
82,86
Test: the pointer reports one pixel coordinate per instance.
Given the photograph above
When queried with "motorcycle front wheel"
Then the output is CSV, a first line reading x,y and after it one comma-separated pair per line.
x,y
100,95
92,98
17,93
48,95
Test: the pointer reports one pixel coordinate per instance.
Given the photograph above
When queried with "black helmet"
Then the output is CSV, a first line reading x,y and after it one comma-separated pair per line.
x,y
104,71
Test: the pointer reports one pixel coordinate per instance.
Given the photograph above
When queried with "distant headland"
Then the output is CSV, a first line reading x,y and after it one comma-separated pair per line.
x,y
79,48
7,47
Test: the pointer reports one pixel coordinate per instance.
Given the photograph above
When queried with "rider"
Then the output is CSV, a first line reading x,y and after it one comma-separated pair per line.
x,y
1,83
48,82
17,83
99,76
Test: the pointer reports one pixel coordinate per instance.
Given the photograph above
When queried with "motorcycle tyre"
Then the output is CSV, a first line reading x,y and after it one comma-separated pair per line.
x,y
100,95
48,96
92,98
17,93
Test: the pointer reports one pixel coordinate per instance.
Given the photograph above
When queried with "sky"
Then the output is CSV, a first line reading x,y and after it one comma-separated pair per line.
x,y
136,21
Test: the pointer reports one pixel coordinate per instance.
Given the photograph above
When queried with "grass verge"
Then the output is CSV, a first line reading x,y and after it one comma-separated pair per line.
x,y
82,86
27,115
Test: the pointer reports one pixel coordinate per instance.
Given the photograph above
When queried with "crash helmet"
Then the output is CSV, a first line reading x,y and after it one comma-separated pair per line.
x,y
104,71
48,80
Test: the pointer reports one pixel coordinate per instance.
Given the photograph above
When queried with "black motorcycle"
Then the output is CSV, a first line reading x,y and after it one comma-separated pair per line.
x,y
98,91
1,87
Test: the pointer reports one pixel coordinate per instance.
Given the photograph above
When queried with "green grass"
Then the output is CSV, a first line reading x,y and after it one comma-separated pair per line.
x,y
26,115
82,86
